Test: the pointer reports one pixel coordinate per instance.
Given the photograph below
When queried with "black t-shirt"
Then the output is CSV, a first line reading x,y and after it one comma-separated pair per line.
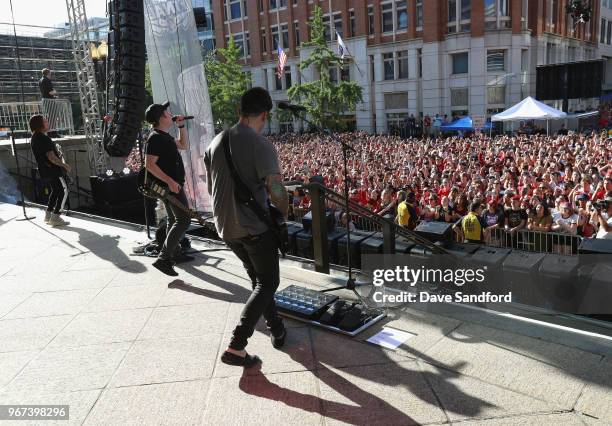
x,y
515,217
41,144
169,160
442,212
45,86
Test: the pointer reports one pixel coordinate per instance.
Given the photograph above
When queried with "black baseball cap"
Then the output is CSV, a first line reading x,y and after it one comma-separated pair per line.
x,y
155,111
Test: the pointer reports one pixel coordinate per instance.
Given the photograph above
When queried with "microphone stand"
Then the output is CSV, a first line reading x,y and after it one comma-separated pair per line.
x,y
351,284
16,155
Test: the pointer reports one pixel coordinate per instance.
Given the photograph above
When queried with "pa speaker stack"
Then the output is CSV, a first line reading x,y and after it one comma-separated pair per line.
x,y
127,65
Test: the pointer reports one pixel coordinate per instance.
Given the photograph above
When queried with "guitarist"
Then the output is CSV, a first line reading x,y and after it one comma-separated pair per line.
x,y
253,241
164,161
51,168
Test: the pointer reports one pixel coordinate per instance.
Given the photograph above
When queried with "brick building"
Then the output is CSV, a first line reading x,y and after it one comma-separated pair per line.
x,y
453,57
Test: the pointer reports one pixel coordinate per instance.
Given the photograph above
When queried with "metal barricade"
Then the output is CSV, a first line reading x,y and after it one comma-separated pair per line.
x,y
534,241
58,112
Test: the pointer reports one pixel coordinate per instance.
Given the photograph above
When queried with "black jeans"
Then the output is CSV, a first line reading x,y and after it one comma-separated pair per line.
x,y
259,255
178,222
58,195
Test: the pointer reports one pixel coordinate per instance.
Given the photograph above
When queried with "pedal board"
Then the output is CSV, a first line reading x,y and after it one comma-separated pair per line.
x,y
303,302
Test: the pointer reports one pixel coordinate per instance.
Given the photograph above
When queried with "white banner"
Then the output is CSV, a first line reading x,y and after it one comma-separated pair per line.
x,y
177,75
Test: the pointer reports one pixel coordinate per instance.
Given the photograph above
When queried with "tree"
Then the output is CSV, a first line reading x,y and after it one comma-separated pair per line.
x,y
325,101
226,83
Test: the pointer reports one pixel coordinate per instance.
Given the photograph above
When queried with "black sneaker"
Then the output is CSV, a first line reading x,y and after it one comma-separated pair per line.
x,y
165,266
279,340
247,361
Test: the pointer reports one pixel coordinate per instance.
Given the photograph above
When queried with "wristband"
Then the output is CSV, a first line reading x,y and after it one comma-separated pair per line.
x,y
180,127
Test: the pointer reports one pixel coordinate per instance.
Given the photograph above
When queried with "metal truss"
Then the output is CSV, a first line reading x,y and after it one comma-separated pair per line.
x,y
86,78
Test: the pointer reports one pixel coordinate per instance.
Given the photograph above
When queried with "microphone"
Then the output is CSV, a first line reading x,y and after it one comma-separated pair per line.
x,y
290,107
187,117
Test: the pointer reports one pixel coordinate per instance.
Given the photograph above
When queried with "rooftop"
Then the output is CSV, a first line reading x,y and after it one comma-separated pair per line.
x,y
86,323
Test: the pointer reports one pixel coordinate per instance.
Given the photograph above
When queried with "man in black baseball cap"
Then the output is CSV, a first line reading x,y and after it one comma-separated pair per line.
x,y
164,161
155,111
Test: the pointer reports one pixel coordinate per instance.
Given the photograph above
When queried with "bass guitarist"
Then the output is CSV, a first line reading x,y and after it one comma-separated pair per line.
x,y
164,161
243,153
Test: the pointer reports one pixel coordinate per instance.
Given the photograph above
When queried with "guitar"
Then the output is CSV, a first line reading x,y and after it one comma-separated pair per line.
x,y
152,187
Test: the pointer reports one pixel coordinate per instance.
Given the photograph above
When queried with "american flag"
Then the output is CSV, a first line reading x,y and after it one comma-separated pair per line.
x,y
282,59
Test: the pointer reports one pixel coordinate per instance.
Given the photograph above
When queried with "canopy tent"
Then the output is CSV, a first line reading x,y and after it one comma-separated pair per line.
x,y
463,124
529,109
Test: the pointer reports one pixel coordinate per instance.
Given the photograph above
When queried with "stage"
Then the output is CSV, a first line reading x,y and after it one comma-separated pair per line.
x,y
85,323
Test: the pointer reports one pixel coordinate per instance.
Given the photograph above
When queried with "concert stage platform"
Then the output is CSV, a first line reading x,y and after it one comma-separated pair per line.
x,y
85,323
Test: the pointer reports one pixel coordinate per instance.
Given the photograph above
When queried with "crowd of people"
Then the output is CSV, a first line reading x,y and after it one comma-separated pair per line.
x,y
552,184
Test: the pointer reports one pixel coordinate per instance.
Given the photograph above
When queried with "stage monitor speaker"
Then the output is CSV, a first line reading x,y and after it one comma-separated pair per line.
x,y
128,67
595,246
435,231
330,219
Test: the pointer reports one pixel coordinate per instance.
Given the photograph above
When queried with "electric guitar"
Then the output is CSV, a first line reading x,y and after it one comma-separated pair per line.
x,y
152,187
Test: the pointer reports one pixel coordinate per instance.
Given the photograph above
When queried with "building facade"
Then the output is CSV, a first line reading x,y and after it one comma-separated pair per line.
x,y
449,57
605,42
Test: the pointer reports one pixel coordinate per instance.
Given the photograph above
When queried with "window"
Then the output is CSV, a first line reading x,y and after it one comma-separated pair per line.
x,y
265,78
278,81
236,9
550,53
387,17
524,60
609,33
401,12
333,74
287,77
394,16
396,100
351,23
497,14
402,64
274,4
419,15
552,9
459,97
337,26
260,6
602,34
524,15
459,15
420,62
496,60
371,20
388,66
243,42
571,53
343,72
395,121
496,95
263,42
296,34
285,34
460,63
285,31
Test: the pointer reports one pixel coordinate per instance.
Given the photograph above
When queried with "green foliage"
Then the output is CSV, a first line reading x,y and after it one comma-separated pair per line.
x,y
324,100
226,83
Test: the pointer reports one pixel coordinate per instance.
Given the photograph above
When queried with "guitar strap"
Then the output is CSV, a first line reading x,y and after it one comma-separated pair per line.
x,y
242,193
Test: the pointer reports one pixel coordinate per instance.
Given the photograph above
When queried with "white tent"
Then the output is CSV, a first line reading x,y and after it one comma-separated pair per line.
x,y
529,109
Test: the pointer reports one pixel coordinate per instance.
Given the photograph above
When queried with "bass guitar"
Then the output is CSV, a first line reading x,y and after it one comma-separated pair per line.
x,y
152,187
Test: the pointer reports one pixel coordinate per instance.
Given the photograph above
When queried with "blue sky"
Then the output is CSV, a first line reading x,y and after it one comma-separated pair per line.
x,y
45,12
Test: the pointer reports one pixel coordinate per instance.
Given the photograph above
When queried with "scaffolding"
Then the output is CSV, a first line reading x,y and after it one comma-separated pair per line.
x,y
92,121
36,53
58,112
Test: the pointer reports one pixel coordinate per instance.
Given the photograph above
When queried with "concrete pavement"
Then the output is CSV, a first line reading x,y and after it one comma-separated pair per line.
x,y
85,323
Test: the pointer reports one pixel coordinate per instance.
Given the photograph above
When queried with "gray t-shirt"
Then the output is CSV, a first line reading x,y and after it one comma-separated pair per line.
x,y
255,158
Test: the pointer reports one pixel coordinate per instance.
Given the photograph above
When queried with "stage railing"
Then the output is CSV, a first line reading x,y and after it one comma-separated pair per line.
x,y
57,111
534,241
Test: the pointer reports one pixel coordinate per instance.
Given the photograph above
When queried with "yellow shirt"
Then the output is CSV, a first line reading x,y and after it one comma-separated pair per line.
x,y
471,227
403,214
